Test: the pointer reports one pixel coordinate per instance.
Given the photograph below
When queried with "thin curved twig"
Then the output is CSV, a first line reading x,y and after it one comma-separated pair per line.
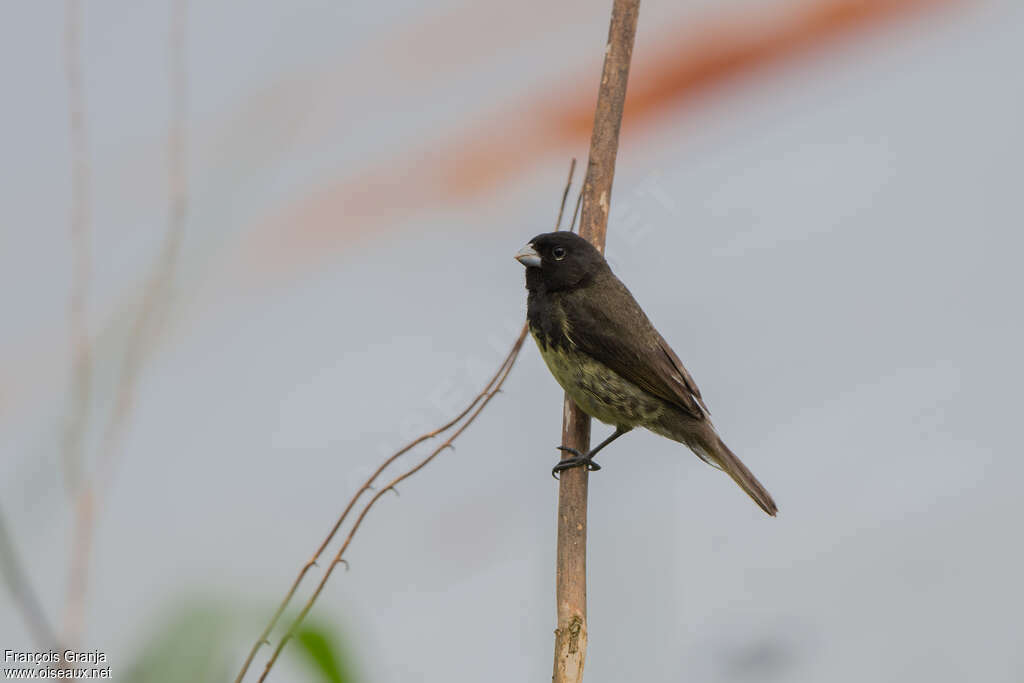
x,y
576,211
367,486
506,368
565,194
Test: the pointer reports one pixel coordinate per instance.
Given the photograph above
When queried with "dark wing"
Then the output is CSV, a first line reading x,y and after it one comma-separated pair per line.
x,y
606,323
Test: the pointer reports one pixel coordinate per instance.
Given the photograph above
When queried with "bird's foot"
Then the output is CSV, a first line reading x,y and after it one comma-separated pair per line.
x,y
578,460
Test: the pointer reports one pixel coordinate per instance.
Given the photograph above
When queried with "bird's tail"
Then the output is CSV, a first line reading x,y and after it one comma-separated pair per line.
x,y
720,456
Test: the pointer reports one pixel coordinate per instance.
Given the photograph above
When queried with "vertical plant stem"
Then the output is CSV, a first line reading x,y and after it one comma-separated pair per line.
x,y
81,363
571,575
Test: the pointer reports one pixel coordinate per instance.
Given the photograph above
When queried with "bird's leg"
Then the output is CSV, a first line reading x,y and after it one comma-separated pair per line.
x,y
581,460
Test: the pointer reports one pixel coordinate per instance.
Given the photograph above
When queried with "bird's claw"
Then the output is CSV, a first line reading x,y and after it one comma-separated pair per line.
x,y
578,460
567,449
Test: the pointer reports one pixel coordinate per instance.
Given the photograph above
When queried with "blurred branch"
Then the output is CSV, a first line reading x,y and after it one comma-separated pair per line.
x,y
81,382
143,331
571,572
78,575
79,332
25,598
156,293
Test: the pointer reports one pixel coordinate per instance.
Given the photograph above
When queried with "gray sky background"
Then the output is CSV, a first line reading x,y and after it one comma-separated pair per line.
x,y
832,246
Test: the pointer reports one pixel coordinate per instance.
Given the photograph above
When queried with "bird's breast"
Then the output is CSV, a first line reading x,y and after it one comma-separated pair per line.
x,y
597,389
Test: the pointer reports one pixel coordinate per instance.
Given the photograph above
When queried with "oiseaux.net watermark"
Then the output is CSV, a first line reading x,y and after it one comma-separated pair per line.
x,y
55,665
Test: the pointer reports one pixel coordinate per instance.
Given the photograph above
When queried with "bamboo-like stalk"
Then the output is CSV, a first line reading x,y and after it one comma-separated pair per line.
x,y
571,575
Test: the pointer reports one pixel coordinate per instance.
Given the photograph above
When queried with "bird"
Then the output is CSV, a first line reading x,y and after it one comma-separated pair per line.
x,y
608,357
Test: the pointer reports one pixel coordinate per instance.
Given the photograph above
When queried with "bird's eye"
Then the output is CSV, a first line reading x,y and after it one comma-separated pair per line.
x,y
558,253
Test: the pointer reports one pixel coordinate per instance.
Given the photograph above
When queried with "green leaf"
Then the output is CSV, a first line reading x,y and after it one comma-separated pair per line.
x,y
197,640
321,650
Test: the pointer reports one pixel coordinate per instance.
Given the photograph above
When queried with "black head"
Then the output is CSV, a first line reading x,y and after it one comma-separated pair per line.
x,y
560,260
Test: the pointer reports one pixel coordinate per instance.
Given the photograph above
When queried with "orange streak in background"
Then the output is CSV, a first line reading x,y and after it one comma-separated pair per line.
x,y
682,68
724,49
699,56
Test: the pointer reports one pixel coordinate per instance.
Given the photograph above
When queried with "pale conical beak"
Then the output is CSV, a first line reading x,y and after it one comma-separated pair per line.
x,y
528,256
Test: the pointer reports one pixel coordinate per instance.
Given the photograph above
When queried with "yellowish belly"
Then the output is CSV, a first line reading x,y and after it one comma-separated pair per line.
x,y
599,391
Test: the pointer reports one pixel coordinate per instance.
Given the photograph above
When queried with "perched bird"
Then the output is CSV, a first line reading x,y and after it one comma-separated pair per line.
x,y
606,354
